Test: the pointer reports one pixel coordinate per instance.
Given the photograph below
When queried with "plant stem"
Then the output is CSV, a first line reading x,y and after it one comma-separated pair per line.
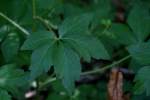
x,y
49,80
33,8
106,67
44,22
15,24
49,26
33,14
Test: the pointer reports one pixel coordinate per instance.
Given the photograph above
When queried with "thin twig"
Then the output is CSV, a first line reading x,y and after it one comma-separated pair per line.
x,y
15,24
106,67
43,21
49,80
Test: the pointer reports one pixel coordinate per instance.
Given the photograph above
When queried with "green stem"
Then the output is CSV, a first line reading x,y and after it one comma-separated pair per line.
x,y
33,8
49,26
44,22
15,24
49,80
33,14
106,67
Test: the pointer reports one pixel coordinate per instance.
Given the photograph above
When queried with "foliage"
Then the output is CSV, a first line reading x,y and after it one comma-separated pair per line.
x,y
53,43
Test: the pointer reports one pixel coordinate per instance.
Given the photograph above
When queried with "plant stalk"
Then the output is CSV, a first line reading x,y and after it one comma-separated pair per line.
x,y
14,24
50,80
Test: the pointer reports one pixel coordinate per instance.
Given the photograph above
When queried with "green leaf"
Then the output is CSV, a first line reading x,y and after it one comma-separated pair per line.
x,y
74,31
90,44
74,25
77,47
140,97
139,21
10,46
71,10
140,52
134,65
41,60
47,4
143,76
65,51
138,87
103,9
3,31
41,57
122,34
67,65
38,39
9,8
4,95
9,78
56,96
18,14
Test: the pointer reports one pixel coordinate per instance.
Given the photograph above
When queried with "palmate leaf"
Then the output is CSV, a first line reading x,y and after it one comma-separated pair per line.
x,y
141,52
64,52
143,77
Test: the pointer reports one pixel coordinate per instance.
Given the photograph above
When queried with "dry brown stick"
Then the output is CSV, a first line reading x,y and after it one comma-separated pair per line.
x,y
115,85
